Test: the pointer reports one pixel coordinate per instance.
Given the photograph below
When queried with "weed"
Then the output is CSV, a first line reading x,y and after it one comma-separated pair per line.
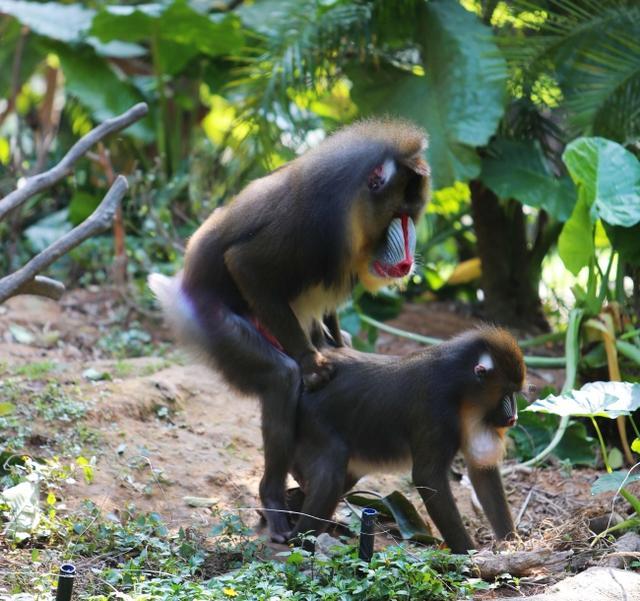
x,y
55,403
35,370
134,555
132,342
123,369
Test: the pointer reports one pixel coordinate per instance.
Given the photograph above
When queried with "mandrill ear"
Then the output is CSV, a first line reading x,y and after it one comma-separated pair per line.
x,y
381,175
484,365
418,165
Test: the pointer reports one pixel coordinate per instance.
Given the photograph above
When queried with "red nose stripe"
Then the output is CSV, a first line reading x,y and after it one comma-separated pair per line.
x,y
402,268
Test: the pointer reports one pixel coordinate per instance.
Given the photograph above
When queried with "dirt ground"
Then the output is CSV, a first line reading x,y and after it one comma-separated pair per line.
x,y
162,431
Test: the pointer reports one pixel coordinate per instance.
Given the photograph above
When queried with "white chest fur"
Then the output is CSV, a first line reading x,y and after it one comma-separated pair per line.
x,y
316,302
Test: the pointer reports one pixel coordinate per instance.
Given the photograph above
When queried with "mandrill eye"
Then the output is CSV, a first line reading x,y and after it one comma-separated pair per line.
x,y
381,175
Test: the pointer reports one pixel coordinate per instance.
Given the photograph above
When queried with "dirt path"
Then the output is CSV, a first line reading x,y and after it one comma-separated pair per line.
x,y
161,431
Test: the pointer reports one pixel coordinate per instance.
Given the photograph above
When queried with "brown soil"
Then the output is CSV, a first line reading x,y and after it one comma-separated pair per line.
x,y
164,431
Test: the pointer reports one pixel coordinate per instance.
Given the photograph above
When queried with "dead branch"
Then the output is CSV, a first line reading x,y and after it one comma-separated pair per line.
x,y
40,182
519,563
625,550
97,222
41,286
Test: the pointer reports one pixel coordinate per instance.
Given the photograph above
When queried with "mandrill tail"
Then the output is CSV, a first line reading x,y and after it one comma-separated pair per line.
x,y
176,309
228,342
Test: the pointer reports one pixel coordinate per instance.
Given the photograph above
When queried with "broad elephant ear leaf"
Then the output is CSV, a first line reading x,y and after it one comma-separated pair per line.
x,y
595,399
517,169
177,29
613,481
95,84
609,175
63,22
460,97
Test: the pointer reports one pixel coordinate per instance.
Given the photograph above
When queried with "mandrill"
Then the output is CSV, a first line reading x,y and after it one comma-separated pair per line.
x,y
275,263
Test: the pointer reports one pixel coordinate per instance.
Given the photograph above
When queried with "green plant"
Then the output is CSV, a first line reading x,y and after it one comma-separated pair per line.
x,y
609,400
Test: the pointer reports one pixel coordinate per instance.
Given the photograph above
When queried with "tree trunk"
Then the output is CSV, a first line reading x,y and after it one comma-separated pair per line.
x,y
510,271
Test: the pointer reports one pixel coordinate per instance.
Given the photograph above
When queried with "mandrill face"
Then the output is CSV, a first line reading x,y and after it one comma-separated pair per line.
x,y
384,218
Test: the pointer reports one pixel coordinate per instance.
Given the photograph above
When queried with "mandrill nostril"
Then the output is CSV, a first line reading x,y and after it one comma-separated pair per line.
x,y
511,422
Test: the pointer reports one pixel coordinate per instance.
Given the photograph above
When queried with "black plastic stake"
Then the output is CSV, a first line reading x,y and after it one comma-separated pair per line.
x,y
366,534
65,582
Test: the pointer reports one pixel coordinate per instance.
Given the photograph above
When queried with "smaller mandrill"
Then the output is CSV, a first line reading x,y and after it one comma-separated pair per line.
x,y
385,413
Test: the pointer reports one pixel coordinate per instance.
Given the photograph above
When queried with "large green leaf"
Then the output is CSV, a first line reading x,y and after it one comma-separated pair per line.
x,y
613,481
396,505
32,55
47,230
460,98
63,22
68,23
626,240
535,431
517,169
609,176
93,82
267,16
595,399
178,31
575,244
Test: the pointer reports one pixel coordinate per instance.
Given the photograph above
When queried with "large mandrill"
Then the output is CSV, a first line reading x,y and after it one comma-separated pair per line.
x,y
276,262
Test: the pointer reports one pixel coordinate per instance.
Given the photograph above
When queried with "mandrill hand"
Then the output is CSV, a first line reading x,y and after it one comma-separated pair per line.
x,y
316,370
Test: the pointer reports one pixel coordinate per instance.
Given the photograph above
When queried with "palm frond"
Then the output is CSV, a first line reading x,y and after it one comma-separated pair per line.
x,y
297,55
591,48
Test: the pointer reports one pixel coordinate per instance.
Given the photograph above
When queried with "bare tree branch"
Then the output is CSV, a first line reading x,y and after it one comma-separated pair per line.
x,y
39,182
97,222
42,286
519,563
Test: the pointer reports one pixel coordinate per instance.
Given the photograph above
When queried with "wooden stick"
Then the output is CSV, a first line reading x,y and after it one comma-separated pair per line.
x,y
40,182
519,563
97,222
42,286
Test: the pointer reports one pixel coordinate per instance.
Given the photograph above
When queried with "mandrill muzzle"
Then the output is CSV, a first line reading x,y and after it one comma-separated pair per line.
x,y
394,258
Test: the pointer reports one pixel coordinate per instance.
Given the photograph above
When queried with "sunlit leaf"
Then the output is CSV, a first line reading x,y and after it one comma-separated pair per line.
x,y
24,509
32,55
6,408
575,244
176,30
615,458
93,82
5,151
458,49
595,399
64,22
450,200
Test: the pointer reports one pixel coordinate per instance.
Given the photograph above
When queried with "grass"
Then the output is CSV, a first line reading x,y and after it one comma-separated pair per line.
x,y
35,370
135,556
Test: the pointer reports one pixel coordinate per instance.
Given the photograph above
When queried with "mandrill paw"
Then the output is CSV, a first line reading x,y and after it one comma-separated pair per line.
x,y
316,370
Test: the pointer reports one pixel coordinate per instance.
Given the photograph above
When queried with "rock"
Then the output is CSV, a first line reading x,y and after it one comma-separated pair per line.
x,y
326,544
594,584
627,543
